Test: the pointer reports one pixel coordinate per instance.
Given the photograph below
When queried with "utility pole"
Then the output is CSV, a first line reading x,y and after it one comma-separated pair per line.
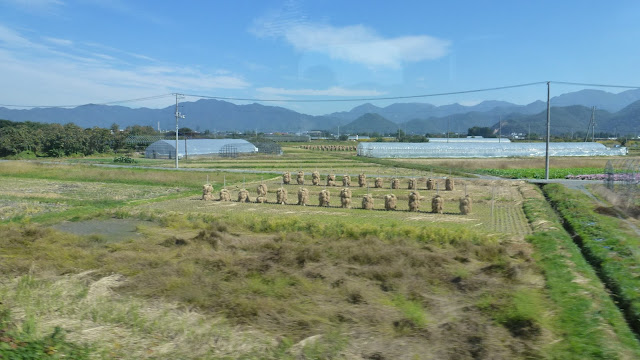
x,y
447,129
178,116
592,125
546,157
593,116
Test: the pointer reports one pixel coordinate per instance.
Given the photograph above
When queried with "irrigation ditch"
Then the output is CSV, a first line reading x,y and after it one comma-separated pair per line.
x,y
611,275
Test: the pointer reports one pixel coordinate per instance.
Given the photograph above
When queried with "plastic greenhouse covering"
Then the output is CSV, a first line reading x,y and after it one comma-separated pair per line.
x,y
469,139
484,150
167,148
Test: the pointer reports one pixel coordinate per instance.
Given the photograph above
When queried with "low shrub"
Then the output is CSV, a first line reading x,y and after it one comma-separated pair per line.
x,y
20,342
124,159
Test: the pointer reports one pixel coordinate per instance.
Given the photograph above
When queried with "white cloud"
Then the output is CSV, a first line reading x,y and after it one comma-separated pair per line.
x,y
11,38
362,45
40,7
277,22
332,91
356,43
36,3
60,42
63,72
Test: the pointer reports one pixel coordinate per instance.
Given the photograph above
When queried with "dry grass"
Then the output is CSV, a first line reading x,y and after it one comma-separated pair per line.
x,y
209,279
508,220
132,176
514,163
397,298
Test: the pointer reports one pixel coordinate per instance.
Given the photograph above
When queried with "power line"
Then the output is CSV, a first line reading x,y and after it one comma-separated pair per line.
x,y
596,85
103,103
370,98
333,100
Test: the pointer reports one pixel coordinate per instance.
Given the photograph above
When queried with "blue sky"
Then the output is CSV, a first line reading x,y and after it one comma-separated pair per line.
x,y
65,52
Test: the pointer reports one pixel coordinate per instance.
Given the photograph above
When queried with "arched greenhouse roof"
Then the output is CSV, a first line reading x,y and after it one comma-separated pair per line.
x,y
167,148
484,150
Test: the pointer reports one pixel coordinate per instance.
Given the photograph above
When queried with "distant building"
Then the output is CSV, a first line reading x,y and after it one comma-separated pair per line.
x,y
288,137
166,149
358,137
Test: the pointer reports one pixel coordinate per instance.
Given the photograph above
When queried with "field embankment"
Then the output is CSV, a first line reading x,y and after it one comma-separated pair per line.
x,y
591,324
612,250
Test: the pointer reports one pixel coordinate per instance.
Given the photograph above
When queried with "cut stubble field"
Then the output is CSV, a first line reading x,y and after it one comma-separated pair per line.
x,y
224,280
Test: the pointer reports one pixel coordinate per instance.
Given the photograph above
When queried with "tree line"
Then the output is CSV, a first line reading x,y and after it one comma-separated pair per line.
x,y
55,140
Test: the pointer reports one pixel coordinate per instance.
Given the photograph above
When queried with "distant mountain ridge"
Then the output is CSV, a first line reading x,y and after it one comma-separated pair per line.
x,y
200,115
564,120
614,111
371,123
575,118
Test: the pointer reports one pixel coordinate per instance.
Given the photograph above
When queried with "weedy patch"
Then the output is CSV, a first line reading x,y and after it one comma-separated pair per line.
x,y
350,291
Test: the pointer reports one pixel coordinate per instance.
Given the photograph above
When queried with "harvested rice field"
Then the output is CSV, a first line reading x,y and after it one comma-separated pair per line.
x,y
133,264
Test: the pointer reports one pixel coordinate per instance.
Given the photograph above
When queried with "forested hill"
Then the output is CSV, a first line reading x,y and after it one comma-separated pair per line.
x,y
370,123
571,112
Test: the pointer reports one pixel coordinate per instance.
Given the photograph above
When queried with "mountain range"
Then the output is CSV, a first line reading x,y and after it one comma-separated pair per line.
x,y
619,112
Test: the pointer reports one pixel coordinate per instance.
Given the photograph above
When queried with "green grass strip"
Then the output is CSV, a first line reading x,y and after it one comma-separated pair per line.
x,y
554,173
586,318
610,250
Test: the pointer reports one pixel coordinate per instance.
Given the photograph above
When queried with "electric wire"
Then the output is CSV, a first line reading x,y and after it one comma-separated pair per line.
x,y
333,99
77,105
369,98
595,85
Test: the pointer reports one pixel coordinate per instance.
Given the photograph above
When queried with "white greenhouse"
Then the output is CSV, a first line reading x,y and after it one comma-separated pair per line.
x,y
166,149
479,139
484,149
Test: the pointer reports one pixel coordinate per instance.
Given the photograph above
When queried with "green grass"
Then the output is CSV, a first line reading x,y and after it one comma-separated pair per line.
x,y
22,342
262,277
591,325
412,311
52,192
612,252
292,160
554,173
292,278
430,168
132,176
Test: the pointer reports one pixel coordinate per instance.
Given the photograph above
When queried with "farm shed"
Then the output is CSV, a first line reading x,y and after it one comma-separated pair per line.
x,y
484,150
166,149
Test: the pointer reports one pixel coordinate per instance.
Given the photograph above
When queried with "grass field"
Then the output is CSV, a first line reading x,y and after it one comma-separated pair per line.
x,y
132,263
294,159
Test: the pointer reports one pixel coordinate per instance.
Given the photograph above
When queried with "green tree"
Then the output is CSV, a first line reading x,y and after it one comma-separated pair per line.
x,y
76,139
16,139
481,131
140,130
98,140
